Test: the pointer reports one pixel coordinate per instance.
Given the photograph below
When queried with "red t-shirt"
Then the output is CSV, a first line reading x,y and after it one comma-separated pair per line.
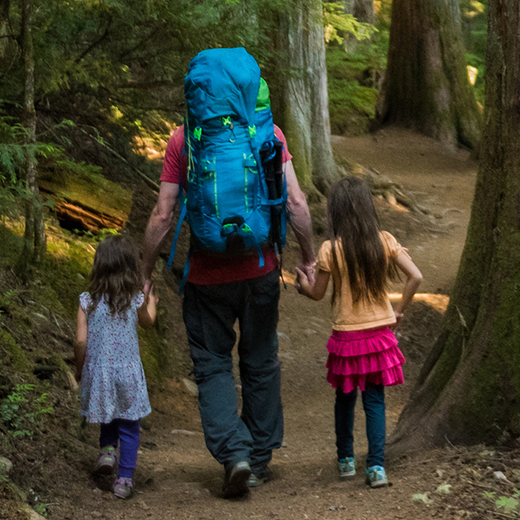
x,y
209,268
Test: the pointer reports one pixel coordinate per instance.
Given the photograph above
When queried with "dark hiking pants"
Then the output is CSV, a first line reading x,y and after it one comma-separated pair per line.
x,y
210,313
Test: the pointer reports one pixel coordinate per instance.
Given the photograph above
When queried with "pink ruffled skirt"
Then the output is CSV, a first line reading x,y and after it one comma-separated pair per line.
x,y
361,356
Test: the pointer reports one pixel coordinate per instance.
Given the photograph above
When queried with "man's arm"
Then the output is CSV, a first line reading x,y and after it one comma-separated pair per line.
x,y
158,226
300,220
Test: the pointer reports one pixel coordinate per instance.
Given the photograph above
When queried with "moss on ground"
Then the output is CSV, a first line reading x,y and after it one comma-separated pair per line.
x,y
155,357
15,356
89,189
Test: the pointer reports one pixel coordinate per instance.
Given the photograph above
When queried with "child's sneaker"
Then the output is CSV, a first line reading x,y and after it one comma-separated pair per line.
x,y
123,487
107,461
376,477
347,467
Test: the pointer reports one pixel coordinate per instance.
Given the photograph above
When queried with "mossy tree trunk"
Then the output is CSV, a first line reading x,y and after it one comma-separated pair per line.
x,y
426,85
34,243
305,105
469,387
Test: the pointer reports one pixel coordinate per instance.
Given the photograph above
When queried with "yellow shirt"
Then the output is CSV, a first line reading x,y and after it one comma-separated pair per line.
x,y
363,315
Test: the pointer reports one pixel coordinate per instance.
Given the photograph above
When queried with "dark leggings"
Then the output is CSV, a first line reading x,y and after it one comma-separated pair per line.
x,y
127,433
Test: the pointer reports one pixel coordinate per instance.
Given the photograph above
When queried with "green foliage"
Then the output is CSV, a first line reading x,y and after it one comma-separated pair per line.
x,y
355,69
509,503
352,93
12,155
338,24
21,410
474,25
41,509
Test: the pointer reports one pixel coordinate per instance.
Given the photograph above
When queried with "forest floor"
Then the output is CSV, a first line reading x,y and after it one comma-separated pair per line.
x,y
178,479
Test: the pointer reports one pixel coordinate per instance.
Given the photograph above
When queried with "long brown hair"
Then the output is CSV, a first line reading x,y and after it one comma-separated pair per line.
x,y
354,223
115,274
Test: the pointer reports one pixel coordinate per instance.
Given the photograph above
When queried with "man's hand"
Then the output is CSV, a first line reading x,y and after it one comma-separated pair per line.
x,y
147,289
310,271
149,292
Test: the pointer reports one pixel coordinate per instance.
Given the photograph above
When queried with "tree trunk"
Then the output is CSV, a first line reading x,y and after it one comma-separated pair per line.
x,y
469,388
364,11
34,243
4,18
426,85
305,98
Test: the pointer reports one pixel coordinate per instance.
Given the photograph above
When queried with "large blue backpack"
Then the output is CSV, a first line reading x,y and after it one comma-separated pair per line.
x,y
235,187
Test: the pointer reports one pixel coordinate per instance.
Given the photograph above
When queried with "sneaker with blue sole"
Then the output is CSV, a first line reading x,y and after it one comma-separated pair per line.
x,y
376,477
347,467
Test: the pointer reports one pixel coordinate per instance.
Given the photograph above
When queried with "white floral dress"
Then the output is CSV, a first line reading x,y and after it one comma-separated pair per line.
x,y
113,385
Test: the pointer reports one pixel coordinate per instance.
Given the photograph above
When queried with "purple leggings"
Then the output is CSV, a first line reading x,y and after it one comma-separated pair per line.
x,y
127,433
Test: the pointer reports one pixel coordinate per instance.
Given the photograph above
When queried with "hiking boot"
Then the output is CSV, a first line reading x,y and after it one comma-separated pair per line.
x,y
376,477
106,462
347,467
123,487
259,477
235,480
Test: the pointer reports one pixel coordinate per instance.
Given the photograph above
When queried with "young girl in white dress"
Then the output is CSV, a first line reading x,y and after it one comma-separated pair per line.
x,y
108,364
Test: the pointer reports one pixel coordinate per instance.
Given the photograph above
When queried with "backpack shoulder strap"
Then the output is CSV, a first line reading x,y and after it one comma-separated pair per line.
x,y
182,217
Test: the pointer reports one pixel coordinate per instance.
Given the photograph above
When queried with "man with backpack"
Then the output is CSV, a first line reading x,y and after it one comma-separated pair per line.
x,y
220,159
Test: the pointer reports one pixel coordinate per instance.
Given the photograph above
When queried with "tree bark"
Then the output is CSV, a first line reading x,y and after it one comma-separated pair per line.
x,y
4,18
34,243
469,388
305,98
426,85
364,11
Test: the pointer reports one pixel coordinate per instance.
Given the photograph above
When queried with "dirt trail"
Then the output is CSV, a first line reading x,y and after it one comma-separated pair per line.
x,y
441,180
178,479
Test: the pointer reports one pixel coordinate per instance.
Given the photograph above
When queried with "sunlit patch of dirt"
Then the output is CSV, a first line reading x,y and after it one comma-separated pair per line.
x,y
439,302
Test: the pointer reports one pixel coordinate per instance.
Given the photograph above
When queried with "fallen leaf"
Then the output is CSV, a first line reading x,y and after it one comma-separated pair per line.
x,y
422,497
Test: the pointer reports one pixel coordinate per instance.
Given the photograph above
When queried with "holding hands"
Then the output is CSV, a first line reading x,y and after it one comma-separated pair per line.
x,y
303,279
311,284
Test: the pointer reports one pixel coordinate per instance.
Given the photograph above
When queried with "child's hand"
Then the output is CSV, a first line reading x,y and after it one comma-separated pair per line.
x,y
78,375
149,287
302,281
398,317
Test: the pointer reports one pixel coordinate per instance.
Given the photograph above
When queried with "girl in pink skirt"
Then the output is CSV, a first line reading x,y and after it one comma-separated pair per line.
x,y
363,351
